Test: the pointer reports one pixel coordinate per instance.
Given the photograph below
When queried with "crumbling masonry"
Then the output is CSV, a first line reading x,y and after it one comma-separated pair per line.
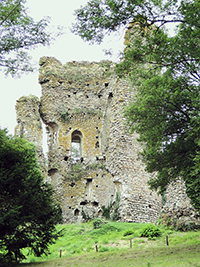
x,y
91,155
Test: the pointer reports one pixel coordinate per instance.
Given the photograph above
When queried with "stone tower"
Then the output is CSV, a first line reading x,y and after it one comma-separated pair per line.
x,y
91,155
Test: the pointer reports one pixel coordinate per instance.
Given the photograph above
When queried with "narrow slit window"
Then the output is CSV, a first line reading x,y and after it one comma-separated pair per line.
x,y
76,146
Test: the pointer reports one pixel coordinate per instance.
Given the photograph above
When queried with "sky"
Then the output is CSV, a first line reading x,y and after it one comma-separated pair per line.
x,y
66,48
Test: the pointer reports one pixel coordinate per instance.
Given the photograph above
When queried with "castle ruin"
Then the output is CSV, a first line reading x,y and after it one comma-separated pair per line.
x,y
91,154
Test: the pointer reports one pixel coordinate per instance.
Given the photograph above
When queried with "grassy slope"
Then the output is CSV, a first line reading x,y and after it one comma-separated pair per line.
x,y
78,248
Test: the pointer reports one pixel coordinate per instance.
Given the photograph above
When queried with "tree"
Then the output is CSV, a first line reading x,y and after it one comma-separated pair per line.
x,y
28,213
19,33
165,70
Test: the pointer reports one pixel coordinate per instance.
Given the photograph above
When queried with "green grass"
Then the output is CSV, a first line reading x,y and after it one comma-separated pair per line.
x,y
78,247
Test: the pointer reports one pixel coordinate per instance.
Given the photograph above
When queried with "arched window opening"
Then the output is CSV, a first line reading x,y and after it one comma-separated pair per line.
x,y
76,146
76,212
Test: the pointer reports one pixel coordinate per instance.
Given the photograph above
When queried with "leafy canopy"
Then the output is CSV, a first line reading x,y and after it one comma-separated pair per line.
x,y
165,70
28,213
19,33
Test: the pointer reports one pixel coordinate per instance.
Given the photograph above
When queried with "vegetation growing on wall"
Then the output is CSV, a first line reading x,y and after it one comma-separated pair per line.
x,y
92,112
76,172
79,72
115,215
106,211
95,166
64,116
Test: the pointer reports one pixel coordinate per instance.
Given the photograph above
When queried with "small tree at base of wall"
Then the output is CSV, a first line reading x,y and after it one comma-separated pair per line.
x,y
115,215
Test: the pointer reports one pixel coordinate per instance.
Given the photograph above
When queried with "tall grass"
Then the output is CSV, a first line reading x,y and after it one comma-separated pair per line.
x,y
79,240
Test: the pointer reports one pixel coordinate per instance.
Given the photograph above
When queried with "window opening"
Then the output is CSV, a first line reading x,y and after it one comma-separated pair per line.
x,y
88,189
106,84
110,94
76,212
95,204
76,146
97,145
84,203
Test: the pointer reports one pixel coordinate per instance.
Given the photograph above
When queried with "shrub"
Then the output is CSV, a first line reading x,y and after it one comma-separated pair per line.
x,y
85,216
150,231
98,223
185,226
106,211
103,249
128,232
115,216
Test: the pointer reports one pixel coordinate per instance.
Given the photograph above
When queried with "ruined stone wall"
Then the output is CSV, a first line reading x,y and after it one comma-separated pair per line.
x,y
91,155
29,124
82,106
177,205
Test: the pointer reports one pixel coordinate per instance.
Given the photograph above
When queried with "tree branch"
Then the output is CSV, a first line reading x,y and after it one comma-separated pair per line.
x,y
10,13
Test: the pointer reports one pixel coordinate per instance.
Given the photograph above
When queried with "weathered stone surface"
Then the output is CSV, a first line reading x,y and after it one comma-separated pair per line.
x,y
91,154
82,106
29,124
177,205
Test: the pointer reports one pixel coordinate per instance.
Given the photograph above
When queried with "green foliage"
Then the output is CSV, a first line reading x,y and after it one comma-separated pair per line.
x,y
95,166
19,32
85,216
103,249
150,231
178,224
165,70
128,232
115,215
106,211
98,223
64,116
105,229
92,112
76,172
98,18
79,239
28,213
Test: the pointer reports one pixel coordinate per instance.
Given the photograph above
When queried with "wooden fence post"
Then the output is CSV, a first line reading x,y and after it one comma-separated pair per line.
x,y
96,246
60,253
130,242
167,241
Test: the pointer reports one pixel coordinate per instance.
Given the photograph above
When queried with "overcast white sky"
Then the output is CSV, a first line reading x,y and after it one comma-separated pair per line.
x,y
67,48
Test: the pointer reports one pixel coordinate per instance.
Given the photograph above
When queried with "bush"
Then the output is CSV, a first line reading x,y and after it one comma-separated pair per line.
x,y
115,216
150,231
98,223
128,232
106,211
103,249
104,230
85,216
